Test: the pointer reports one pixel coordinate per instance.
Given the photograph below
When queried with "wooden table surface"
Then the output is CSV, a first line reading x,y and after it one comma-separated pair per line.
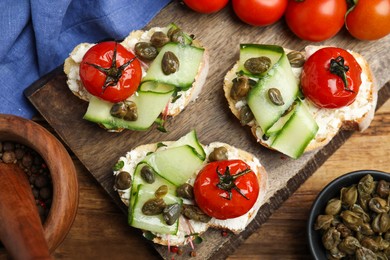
x,y
100,230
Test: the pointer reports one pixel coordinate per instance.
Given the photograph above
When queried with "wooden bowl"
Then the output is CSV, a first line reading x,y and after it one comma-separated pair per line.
x,y
63,173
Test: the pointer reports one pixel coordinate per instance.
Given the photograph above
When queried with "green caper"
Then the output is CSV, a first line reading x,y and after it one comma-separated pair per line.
x,y
378,205
240,88
218,154
246,115
159,39
161,191
333,207
195,213
153,207
257,65
169,63
118,110
296,59
147,174
126,110
145,51
171,213
122,180
275,96
176,35
383,189
132,111
185,191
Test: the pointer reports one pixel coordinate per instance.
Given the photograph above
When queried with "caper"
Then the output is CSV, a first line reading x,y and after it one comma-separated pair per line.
x,y
275,96
126,110
246,115
122,180
153,206
169,63
240,88
118,110
176,35
378,205
131,111
323,222
218,154
333,207
296,59
161,191
159,39
171,213
257,65
383,189
195,213
147,174
145,51
185,191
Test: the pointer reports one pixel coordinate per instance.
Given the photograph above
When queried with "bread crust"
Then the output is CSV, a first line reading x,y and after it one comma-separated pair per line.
x,y
74,83
358,123
247,157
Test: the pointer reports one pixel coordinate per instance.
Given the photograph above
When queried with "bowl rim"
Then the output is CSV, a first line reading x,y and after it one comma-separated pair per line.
x,y
65,190
329,191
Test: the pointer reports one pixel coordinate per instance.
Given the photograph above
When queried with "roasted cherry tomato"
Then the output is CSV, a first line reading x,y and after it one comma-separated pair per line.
x,y
110,72
314,20
259,12
369,19
331,78
226,189
206,6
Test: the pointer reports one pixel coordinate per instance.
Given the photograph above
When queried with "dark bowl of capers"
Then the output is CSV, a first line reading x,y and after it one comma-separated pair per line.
x,y
350,218
49,170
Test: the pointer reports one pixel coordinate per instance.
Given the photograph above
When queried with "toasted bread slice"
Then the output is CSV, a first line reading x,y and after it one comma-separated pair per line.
x,y
72,63
235,225
356,116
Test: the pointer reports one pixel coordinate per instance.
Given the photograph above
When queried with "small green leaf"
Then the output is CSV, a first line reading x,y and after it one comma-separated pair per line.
x,y
160,145
119,165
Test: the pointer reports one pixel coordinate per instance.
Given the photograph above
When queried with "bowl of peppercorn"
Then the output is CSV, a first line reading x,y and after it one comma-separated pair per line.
x,y
350,218
49,170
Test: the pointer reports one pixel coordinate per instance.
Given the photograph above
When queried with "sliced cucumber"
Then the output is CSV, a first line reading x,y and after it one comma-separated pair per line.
x,y
149,106
297,133
176,164
137,180
280,77
189,58
151,223
275,128
154,86
191,139
248,51
187,38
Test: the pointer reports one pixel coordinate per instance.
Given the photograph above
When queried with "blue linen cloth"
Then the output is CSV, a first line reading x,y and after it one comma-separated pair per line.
x,y
37,35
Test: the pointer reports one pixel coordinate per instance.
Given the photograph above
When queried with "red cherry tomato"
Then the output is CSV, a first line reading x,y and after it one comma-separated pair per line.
x,y
218,186
110,72
369,19
259,12
325,88
206,6
314,20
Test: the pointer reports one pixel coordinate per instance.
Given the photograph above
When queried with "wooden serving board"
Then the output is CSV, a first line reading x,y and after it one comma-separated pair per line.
x,y
221,33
